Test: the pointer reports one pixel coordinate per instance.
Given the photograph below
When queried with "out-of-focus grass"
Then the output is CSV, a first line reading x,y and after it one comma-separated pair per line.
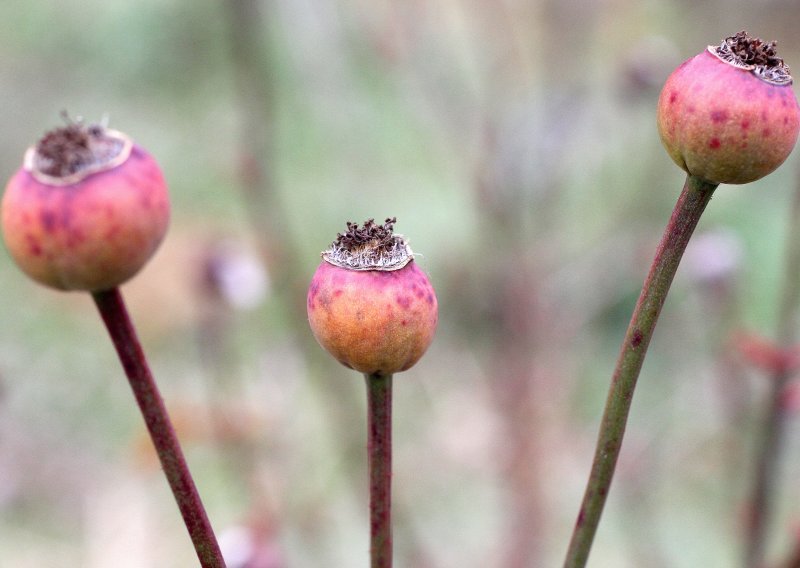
x,y
384,109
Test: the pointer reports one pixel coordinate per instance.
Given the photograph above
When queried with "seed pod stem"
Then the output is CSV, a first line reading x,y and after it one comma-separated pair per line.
x,y
692,202
379,444
115,316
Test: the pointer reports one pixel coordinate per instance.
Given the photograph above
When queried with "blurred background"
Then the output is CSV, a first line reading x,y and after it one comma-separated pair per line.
x,y
515,141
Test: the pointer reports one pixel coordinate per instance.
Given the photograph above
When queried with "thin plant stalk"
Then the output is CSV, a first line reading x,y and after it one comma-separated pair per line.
x,y
379,447
123,335
771,438
771,441
692,202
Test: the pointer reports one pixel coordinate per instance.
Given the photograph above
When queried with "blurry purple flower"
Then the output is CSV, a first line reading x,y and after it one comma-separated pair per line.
x,y
244,547
236,275
713,257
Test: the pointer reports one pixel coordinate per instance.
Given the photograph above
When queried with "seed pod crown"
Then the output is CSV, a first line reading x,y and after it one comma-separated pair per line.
x,y
753,54
70,153
369,247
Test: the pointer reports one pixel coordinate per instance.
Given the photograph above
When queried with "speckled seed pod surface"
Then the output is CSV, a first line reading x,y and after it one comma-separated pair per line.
x,y
729,114
86,211
377,320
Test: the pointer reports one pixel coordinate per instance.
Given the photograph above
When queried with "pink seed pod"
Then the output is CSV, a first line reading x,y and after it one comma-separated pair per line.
x,y
729,114
369,304
87,209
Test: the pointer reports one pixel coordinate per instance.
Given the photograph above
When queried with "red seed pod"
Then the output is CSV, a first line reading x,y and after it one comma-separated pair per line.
x,y
369,304
729,114
87,209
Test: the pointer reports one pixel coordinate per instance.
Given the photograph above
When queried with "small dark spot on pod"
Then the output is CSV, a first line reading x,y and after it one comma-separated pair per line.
x,y
719,116
48,220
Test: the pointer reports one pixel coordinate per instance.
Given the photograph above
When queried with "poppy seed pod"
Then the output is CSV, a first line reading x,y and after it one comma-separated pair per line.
x,y
729,114
369,304
87,209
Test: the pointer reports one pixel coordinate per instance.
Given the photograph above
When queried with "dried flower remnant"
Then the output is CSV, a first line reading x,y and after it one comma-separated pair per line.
x,y
371,247
753,54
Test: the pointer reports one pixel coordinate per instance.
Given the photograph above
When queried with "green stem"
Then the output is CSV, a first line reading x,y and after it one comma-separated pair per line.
x,y
120,328
771,438
379,444
692,202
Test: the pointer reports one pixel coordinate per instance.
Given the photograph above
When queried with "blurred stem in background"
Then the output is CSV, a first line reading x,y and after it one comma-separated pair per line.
x,y
516,210
255,87
771,438
690,206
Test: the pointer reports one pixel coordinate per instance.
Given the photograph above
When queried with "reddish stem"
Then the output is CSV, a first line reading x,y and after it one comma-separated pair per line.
x,y
379,444
119,325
